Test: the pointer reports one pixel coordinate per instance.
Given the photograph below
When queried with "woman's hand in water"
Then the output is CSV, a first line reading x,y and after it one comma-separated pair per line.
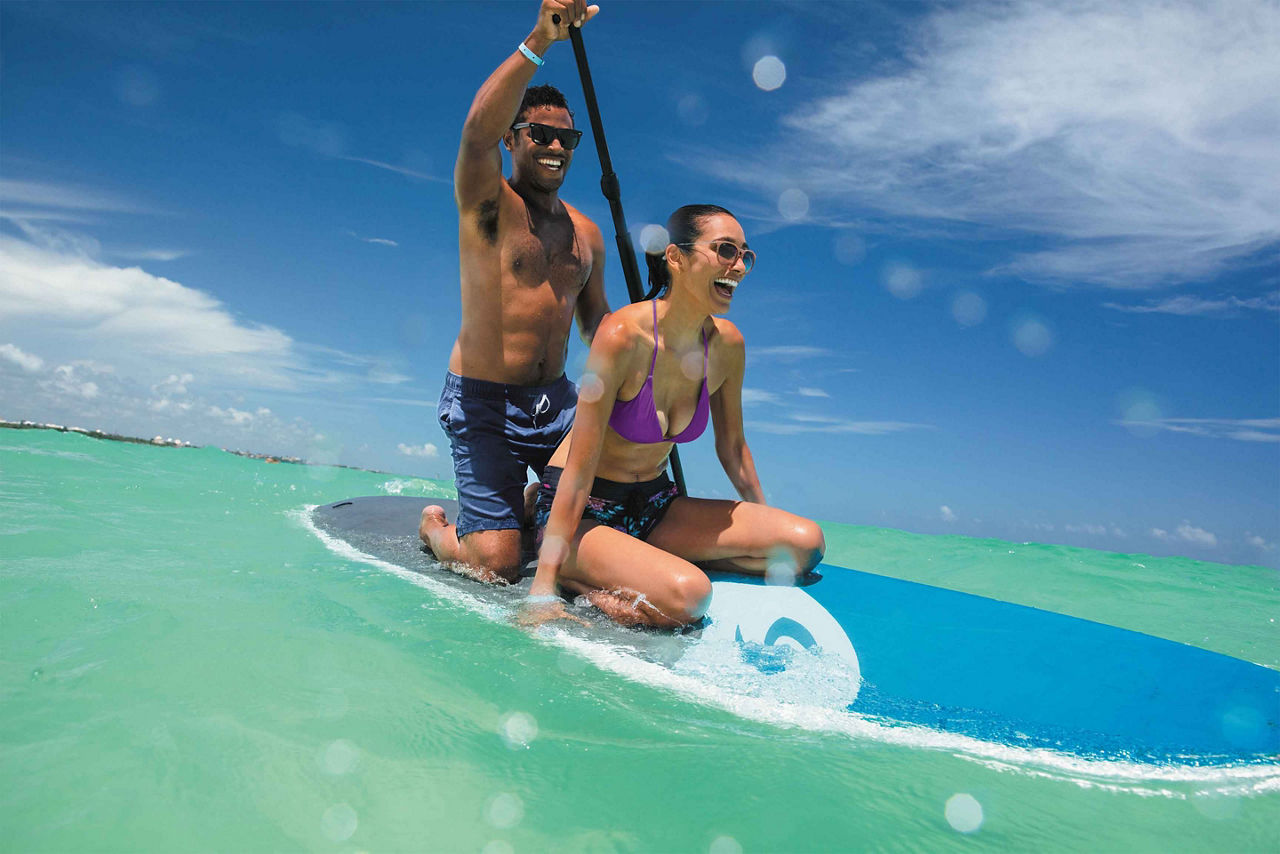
x,y
537,610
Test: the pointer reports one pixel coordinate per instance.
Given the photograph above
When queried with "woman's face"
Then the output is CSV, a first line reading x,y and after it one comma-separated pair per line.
x,y
703,267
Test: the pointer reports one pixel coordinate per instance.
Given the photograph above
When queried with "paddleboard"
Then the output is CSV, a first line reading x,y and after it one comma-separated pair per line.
x,y
913,655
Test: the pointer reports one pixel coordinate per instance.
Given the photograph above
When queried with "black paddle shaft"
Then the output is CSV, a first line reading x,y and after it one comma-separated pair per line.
x,y
613,192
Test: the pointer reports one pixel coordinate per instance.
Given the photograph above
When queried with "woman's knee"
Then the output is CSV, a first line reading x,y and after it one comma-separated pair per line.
x,y
807,542
687,596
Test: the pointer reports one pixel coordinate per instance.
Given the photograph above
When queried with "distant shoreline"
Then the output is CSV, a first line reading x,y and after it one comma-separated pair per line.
x,y
163,442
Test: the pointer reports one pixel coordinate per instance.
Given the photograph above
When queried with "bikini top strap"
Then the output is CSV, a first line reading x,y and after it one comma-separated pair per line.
x,y
654,361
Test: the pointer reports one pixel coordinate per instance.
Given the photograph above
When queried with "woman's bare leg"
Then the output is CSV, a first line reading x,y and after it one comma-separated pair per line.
x,y
738,536
633,582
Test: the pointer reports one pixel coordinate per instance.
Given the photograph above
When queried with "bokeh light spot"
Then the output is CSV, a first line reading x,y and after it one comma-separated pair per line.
x,y
339,757
1140,413
850,249
137,87
498,846
654,239
968,308
793,204
692,109
518,730
964,813
591,388
902,280
780,570
555,548
691,365
1032,336
769,73
725,845
504,810
339,823
571,664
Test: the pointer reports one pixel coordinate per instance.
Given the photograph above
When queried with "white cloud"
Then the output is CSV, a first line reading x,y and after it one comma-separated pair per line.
x,y
1191,306
1191,534
1138,137
1238,429
811,392
427,450
26,361
1186,532
947,514
1259,542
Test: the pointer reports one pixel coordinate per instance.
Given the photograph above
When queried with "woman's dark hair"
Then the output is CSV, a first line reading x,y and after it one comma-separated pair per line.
x,y
683,226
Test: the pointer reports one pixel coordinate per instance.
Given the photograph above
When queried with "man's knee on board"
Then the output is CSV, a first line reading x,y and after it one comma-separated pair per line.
x,y
497,552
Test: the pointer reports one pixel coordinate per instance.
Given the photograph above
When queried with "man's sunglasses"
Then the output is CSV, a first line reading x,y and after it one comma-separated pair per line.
x,y
728,253
543,134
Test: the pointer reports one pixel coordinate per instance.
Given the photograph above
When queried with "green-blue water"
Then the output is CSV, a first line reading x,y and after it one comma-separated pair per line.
x,y
184,665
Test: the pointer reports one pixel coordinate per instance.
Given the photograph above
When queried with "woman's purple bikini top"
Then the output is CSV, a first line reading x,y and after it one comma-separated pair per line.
x,y
636,420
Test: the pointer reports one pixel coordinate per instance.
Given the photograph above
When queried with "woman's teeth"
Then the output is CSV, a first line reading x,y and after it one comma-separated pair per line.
x,y
726,286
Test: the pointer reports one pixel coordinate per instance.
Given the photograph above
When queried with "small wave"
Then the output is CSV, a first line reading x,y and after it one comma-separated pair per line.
x,y
809,699
425,488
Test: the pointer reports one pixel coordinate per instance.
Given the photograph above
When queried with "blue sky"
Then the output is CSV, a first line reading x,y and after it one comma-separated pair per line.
x,y
1018,269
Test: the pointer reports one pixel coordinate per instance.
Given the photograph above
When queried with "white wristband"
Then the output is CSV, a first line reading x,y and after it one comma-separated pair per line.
x,y
530,55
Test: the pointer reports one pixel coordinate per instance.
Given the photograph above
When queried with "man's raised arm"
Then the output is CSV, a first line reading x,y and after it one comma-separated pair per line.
x,y
477,175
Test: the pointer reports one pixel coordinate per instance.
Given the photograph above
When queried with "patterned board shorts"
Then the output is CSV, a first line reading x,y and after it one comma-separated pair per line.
x,y
633,508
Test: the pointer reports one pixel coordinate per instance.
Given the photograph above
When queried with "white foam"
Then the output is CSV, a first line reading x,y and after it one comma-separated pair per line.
x,y
711,676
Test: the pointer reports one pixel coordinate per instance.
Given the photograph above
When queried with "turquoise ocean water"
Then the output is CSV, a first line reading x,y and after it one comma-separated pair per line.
x,y
185,665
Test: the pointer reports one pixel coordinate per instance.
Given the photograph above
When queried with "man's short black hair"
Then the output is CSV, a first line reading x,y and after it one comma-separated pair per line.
x,y
545,95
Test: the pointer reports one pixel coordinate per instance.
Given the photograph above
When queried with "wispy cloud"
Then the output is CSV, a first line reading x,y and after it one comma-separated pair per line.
x,y
1139,137
793,352
62,197
799,424
1192,306
380,241
805,391
751,396
1239,429
400,170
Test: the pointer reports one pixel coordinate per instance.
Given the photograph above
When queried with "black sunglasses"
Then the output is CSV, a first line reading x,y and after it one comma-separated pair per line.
x,y
728,253
543,134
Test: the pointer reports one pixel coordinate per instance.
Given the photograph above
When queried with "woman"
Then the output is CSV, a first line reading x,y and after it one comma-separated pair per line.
x,y
612,525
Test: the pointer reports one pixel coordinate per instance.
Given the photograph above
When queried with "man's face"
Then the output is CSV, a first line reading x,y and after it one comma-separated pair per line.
x,y
544,166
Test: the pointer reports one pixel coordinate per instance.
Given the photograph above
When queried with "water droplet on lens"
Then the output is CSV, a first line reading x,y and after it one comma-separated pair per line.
x,y
964,813
654,239
504,810
591,388
518,730
725,845
793,204
769,73
339,822
902,280
968,308
1032,336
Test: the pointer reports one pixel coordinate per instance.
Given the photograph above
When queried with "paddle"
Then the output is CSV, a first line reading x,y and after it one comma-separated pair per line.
x,y
609,187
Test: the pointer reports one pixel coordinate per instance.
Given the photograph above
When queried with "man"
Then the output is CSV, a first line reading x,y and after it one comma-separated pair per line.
x,y
529,263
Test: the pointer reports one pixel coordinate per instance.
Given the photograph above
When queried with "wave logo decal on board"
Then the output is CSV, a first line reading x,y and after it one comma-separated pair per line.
x,y
771,624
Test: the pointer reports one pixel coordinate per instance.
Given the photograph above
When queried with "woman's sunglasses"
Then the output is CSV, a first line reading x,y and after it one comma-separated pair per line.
x,y
543,134
728,253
